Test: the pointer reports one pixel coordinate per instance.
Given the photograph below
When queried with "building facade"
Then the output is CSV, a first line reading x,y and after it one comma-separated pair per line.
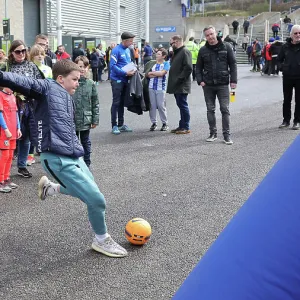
x,y
15,13
89,22
167,18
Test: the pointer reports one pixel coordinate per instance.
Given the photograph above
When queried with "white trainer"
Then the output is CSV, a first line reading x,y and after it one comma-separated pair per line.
x,y
109,247
44,184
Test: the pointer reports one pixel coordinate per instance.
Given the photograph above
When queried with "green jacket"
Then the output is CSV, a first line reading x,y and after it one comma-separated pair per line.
x,y
194,49
86,104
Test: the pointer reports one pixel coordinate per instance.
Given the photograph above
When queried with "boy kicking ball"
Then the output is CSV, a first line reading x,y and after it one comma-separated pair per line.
x,y
61,152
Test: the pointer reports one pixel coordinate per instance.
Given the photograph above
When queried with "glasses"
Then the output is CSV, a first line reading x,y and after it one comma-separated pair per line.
x,y
41,44
18,52
295,33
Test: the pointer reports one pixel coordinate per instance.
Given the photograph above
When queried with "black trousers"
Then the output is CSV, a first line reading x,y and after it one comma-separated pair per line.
x,y
95,74
289,84
256,63
84,137
194,72
275,66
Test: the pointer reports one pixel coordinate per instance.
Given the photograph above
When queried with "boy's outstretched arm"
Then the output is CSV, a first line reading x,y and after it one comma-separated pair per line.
x,y
33,88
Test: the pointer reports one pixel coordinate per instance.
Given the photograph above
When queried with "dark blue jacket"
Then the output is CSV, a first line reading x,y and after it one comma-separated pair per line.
x,y
94,60
54,113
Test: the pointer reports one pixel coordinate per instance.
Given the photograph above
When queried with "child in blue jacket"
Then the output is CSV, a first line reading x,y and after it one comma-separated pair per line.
x,y
61,152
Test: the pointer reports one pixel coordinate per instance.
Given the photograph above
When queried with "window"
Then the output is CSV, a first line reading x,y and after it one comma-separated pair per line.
x,y
122,11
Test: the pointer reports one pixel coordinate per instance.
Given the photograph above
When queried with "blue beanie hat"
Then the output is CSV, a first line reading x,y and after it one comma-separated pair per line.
x,y
277,38
271,40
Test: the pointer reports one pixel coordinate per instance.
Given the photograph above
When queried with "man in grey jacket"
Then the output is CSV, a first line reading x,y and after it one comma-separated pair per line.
x,y
215,69
179,82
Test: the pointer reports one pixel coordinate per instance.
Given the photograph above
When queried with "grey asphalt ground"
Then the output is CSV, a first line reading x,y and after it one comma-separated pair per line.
x,y
186,188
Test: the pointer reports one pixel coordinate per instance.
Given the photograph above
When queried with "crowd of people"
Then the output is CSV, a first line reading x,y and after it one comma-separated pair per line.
x,y
48,105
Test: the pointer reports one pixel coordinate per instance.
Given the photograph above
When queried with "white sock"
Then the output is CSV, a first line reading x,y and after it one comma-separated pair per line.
x,y
53,189
101,237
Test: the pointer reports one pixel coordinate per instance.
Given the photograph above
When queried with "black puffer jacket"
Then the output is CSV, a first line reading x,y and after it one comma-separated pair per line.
x,y
289,58
216,65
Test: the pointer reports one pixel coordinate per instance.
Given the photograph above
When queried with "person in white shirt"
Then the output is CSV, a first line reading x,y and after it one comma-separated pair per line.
x,y
245,42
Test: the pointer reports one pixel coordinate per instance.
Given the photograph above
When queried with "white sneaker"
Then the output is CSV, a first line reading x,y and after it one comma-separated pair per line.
x,y
4,188
44,184
109,247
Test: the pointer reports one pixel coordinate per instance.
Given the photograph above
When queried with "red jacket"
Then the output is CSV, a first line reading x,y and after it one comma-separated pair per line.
x,y
267,54
8,107
64,55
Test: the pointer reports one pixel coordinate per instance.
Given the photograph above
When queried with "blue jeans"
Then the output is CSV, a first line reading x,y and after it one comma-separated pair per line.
x,y
117,107
100,69
76,180
85,140
23,151
181,101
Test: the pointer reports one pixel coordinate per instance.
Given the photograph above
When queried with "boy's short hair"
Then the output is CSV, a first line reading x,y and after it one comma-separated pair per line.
x,y
83,59
36,50
64,68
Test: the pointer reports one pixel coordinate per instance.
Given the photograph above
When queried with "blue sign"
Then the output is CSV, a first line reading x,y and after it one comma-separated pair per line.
x,y
165,29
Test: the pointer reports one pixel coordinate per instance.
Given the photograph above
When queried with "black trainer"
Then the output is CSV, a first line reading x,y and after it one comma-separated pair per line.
x,y
153,127
296,126
212,137
228,140
164,127
284,124
24,172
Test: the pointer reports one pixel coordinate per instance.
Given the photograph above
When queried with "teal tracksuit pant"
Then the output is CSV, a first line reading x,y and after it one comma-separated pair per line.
x,y
76,180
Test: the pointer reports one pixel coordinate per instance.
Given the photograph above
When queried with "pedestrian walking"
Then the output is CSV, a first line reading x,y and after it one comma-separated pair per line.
x,y
246,25
216,68
235,25
245,42
179,82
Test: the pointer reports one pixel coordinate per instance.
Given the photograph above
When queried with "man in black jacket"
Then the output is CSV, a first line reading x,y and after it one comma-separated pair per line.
x,y
289,58
179,82
215,69
246,26
235,25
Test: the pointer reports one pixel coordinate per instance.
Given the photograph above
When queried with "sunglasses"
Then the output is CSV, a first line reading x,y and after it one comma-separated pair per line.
x,y
295,33
18,52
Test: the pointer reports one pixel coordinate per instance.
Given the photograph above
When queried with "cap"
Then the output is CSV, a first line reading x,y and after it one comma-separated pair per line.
x,y
127,35
277,38
160,46
271,40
